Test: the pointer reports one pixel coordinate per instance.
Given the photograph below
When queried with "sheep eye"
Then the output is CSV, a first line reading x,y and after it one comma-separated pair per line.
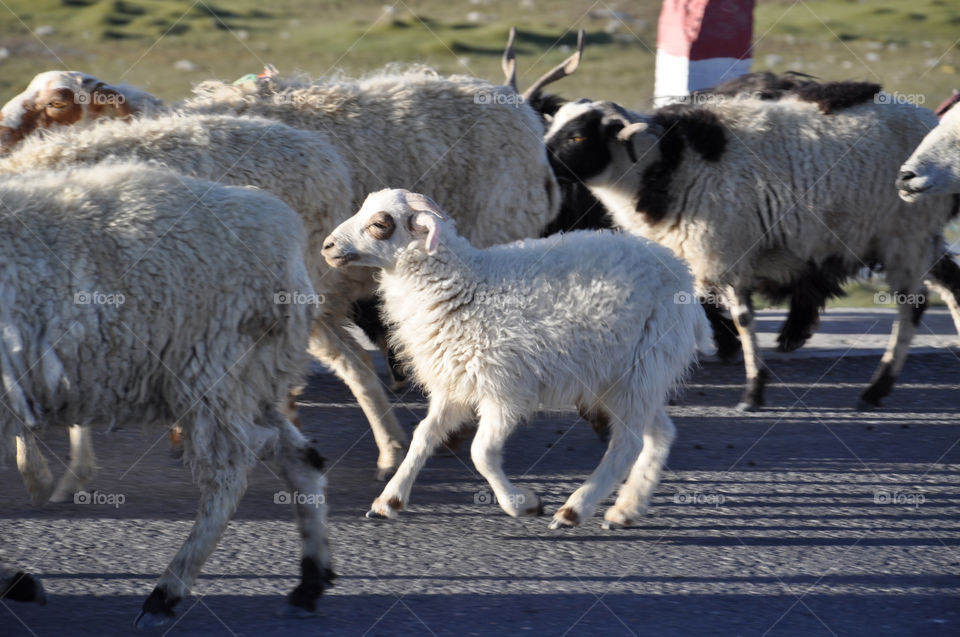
x,y
381,227
577,139
58,104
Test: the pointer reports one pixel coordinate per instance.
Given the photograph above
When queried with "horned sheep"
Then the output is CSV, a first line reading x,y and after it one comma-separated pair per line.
x,y
756,193
580,320
135,295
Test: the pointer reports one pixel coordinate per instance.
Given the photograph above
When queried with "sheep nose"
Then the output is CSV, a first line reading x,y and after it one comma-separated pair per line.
x,y
328,244
906,175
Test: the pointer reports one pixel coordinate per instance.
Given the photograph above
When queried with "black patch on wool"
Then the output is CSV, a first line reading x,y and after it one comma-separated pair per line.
x,y
579,210
919,309
956,206
681,125
579,161
947,272
808,295
836,96
366,314
762,85
547,104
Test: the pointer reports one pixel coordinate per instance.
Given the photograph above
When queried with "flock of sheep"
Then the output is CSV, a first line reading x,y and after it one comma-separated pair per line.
x,y
149,275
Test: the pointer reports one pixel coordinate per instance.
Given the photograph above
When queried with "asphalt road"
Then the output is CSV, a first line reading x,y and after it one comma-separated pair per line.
x,y
805,519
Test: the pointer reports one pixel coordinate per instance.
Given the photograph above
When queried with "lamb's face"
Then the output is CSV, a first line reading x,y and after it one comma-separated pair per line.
x,y
389,222
934,167
595,142
58,98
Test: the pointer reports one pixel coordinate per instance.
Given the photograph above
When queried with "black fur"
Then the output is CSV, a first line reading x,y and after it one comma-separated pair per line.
x,y
365,313
725,333
753,394
579,161
24,588
312,583
547,104
880,386
956,206
947,273
836,96
808,295
762,85
313,458
159,603
681,125
919,309
579,210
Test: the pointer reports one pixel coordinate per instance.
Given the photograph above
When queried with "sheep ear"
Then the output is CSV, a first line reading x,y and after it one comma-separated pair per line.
x,y
427,223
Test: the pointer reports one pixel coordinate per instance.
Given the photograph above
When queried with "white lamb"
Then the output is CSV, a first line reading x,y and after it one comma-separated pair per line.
x,y
134,295
582,320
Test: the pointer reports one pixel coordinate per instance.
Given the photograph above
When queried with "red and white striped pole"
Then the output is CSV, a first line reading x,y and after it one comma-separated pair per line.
x,y
701,43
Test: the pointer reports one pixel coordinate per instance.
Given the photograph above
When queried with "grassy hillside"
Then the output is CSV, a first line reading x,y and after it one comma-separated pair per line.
x,y
166,45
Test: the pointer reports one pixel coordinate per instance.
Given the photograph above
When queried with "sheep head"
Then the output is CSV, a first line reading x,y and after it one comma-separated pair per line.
x,y
596,142
934,167
58,98
388,223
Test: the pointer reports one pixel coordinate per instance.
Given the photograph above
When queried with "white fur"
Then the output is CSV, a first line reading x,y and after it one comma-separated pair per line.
x,y
935,163
583,320
197,338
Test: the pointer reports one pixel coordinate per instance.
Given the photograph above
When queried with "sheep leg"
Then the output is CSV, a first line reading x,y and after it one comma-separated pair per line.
x,y
743,318
337,349
82,467
33,467
623,449
219,498
634,496
909,309
487,453
724,331
301,467
945,276
442,419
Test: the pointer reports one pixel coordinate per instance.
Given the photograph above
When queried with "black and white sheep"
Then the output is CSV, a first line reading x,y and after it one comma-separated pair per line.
x,y
756,193
580,320
135,295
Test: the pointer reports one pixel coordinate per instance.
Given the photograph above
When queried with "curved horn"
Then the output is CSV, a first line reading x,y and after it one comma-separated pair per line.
x,y
558,72
509,61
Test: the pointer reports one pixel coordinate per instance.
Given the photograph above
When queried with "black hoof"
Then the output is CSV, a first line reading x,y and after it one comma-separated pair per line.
x,y
24,587
157,610
373,515
385,474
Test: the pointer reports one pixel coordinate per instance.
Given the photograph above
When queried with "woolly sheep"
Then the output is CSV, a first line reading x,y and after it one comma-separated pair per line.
x,y
754,194
131,294
585,320
933,170
67,98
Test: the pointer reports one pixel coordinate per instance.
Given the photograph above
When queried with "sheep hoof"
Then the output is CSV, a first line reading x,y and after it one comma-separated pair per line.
x,y
613,526
384,473
24,587
145,620
565,517
535,511
745,406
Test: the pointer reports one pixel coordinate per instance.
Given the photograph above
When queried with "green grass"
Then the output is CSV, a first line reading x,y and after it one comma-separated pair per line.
x,y
910,47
